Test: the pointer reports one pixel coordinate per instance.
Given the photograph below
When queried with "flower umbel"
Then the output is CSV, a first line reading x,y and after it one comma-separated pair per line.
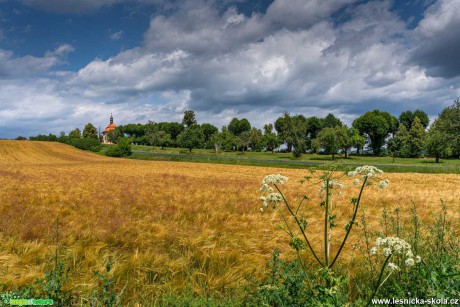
x,y
366,171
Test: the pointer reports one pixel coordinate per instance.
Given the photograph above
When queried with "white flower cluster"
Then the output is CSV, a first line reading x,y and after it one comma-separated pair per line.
x,y
365,171
383,184
272,179
272,197
333,184
395,245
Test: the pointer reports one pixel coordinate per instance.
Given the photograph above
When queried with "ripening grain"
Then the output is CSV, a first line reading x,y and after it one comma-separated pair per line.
x,y
166,224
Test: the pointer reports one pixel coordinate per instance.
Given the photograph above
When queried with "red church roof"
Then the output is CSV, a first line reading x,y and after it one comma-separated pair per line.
x,y
110,127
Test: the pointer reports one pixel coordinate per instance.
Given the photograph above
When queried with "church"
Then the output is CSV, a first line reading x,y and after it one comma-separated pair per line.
x,y
110,127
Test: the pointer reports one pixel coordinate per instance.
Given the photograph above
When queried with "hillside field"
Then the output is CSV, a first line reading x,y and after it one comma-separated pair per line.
x,y
167,225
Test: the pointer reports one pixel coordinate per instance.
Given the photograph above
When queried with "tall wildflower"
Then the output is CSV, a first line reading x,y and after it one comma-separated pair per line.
x,y
390,246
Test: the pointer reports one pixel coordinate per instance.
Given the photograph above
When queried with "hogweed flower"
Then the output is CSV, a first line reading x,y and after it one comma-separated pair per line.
x,y
395,245
366,171
410,262
392,266
383,184
373,251
274,179
274,197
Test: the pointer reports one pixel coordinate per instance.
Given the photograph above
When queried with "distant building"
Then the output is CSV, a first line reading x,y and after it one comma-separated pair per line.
x,y
110,127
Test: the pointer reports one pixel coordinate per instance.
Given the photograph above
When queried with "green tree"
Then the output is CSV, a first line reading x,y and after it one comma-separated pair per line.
x,y
331,121
75,134
332,139
227,139
313,127
122,149
172,128
349,137
114,135
189,119
243,140
357,139
192,137
449,125
256,139
377,126
236,126
438,143
160,138
270,139
399,144
416,138
292,131
208,130
407,118
90,131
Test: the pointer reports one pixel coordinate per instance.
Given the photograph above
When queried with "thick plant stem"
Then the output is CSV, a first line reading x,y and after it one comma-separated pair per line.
x,y
352,221
300,227
293,236
377,287
326,226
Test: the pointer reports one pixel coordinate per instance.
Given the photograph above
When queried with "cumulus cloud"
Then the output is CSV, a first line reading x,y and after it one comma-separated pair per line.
x,y
26,66
438,40
231,61
223,63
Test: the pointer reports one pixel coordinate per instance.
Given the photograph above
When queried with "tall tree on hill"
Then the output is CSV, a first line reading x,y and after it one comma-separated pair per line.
x,y
189,118
377,126
90,131
75,134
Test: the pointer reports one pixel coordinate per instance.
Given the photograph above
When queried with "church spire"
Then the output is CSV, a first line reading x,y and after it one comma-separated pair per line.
x,y
111,118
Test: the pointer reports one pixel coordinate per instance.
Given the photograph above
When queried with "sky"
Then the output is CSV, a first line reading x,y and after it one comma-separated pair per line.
x,y
66,63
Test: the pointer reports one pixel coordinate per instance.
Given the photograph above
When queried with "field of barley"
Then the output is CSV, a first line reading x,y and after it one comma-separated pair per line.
x,y
166,225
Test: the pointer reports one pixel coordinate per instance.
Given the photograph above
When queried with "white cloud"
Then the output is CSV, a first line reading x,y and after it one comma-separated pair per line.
x,y
116,36
226,64
438,41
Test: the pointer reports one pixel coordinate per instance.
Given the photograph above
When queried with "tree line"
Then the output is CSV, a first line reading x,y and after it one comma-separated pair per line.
x,y
375,132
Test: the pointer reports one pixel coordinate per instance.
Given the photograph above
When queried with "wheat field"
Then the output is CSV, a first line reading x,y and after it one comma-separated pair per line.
x,y
167,225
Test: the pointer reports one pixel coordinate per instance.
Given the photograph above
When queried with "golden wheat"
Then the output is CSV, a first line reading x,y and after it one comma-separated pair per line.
x,y
167,225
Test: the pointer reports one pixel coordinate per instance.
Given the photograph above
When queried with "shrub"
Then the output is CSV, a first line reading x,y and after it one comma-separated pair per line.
x,y
122,149
90,144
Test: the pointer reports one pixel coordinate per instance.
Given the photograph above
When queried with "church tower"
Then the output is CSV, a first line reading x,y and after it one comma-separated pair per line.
x,y
110,127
